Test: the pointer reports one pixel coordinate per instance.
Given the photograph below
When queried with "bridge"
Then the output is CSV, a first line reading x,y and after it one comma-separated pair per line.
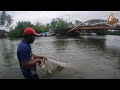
x,y
91,28
94,25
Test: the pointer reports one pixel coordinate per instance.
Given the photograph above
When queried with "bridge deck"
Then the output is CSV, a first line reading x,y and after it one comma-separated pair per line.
x,y
91,28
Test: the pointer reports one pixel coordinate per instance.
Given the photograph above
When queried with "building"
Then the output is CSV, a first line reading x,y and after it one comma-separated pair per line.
x,y
3,34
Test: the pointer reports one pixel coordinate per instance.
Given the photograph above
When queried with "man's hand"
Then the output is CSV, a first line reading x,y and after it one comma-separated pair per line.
x,y
34,56
29,64
39,61
40,57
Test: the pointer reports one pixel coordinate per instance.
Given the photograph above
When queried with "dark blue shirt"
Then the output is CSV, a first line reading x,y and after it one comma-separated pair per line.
x,y
24,53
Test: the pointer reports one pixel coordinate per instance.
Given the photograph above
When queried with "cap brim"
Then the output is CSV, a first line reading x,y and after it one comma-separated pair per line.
x,y
36,34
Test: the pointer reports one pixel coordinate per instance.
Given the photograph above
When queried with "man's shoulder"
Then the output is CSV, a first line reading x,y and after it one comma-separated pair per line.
x,y
23,46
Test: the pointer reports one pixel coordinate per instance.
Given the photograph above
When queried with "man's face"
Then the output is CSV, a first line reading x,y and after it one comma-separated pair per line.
x,y
31,38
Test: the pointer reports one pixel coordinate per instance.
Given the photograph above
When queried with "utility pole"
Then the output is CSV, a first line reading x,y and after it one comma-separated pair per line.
x,y
68,19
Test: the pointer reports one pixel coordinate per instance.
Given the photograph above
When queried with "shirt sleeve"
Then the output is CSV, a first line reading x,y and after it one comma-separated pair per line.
x,y
24,54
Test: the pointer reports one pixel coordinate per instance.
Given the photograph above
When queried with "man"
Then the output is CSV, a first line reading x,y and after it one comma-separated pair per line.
x,y
26,58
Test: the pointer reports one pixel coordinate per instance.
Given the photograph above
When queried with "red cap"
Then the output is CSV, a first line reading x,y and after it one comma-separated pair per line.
x,y
29,31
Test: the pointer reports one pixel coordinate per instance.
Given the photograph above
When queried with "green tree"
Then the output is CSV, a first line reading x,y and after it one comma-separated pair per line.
x,y
37,28
47,27
71,24
38,23
18,31
102,32
59,26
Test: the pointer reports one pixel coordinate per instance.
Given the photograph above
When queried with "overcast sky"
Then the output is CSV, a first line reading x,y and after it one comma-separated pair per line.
x,y
46,16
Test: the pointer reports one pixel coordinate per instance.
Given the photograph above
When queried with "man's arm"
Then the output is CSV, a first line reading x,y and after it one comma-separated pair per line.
x,y
40,57
28,64
26,60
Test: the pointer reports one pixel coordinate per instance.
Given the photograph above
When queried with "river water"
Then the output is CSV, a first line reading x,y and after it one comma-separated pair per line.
x,y
86,57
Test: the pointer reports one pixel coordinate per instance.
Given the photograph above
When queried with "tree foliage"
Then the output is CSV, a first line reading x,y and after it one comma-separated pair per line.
x,y
18,31
5,19
59,26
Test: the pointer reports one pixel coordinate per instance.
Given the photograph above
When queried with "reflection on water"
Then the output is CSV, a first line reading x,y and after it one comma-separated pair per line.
x,y
60,45
8,52
90,43
86,56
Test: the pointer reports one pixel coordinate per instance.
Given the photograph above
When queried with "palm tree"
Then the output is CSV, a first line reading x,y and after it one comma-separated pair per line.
x,y
9,20
38,23
77,23
5,19
71,24
2,18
